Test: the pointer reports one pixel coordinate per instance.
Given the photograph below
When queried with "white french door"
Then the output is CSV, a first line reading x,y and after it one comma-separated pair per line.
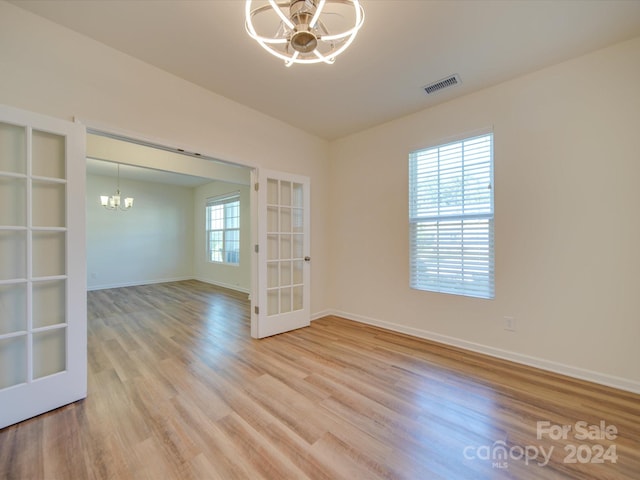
x,y
43,336
283,253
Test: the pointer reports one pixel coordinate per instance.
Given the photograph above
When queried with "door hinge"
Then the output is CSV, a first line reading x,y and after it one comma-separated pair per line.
x,y
256,310
256,186
256,248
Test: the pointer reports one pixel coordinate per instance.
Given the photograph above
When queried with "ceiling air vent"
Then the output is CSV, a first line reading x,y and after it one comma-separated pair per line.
x,y
444,83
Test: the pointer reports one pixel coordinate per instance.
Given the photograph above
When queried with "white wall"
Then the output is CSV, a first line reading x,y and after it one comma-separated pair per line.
x,y
49,69
567,228
237,277
151,243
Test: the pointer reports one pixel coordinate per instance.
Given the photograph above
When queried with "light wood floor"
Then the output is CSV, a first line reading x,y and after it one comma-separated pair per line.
x,y
179,390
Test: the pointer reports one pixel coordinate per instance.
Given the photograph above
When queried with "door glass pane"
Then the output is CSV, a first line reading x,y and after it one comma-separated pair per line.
x,y
49,352
273,247
298,267
273,302
49,303
297,199
49,254
48,152
285,219
272,219
13,308
285,300
285,273
297,219
13,152
297,297
285,247
298,246
49,204
13,361
272,275
285,193
13,255
13,202
272,192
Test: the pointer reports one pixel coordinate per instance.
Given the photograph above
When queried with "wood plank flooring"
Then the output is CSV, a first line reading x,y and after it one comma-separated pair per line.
x,y
179,390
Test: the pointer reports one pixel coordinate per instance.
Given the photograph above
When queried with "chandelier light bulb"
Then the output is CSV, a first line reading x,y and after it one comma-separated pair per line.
x,y
304,31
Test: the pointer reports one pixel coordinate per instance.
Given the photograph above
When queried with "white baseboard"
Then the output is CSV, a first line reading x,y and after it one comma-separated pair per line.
x,y
323,313
223,285
575,372
135,284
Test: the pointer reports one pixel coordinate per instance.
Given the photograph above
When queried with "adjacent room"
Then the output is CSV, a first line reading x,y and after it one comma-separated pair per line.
x,y
307,239
163,236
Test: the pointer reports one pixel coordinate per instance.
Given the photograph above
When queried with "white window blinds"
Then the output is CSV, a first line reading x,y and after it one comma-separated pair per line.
x,y
451,217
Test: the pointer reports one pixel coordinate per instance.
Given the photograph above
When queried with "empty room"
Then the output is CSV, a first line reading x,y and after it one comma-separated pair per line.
x,y
319,239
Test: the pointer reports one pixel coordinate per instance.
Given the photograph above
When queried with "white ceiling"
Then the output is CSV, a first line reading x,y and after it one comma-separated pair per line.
x,y
403,45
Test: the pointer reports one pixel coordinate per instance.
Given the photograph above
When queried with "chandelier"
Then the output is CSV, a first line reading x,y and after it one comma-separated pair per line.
x,y
304,31
113,202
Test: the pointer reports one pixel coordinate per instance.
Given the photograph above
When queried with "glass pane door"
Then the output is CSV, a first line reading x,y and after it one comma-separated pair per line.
x,y
284,263
40,337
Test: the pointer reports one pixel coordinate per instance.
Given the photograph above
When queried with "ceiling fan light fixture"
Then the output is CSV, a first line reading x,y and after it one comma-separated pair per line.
x,y
303,40
304,31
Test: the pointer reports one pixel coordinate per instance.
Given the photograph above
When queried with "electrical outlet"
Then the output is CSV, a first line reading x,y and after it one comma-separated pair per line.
x,y
510,324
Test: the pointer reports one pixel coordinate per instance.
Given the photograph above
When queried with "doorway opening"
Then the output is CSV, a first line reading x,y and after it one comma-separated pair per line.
x,y
162,237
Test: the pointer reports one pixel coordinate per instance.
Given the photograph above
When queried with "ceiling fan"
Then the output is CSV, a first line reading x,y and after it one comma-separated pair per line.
x,y
306,31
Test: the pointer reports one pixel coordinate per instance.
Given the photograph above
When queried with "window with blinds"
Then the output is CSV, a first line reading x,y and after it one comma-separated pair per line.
x,y
451,217
223,229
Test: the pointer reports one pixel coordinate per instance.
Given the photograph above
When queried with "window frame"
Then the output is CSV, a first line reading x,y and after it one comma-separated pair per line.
x,y
452,250
224,229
